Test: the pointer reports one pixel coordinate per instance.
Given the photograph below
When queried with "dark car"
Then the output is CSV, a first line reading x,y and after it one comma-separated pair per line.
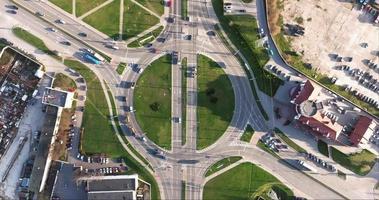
x,y
162,40
211,33
11,11
66,43
188,37
12,7
174,57
82,34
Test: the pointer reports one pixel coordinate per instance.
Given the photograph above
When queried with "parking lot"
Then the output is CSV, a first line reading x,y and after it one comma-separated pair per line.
x,y
338,35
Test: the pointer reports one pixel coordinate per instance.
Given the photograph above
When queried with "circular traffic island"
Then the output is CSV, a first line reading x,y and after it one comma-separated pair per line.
x,y
152,101
215,103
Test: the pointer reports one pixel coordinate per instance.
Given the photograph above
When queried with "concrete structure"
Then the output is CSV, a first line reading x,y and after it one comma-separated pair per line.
x,y
58,98
113,187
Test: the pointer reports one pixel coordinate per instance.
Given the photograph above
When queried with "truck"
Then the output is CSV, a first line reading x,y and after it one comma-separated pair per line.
x,y
98,57
91,59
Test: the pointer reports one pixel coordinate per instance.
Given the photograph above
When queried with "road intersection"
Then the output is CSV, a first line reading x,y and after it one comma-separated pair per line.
x,y
183,162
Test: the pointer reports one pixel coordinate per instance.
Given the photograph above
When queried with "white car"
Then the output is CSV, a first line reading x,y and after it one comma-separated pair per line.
x,y
61,21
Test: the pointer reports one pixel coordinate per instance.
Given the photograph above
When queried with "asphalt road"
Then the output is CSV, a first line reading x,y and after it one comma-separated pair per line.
x,y
170,172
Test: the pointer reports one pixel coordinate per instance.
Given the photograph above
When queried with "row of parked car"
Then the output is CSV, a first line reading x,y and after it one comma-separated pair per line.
x,y
278,72
71,133
273,143
104,170
93,159
320,162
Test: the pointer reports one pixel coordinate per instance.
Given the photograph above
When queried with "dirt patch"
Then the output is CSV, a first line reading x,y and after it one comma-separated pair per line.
x,y
273,11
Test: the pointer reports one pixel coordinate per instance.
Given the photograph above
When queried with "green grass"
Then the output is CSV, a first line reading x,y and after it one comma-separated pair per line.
x,y
221,164
98,132
66,5
360,163
64,82
295,60
213,117
83,6
242,30
252,84
153,5
154,86
34,41
323,147
184,9
136,20
248,134
152,35
120,68
243,182
288,141
184,99
106,19
101,137
262,146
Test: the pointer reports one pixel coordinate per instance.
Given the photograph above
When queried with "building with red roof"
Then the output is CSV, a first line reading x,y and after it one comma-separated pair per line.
x,y
362,131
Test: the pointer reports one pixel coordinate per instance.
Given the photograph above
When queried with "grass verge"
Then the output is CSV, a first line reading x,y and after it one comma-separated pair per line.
x,y
102,138
323,147
243,32
245,181
248,134
288,141
120,68
152,101
184,99
34,41
360,163
221,164
252,84
150,37
215,102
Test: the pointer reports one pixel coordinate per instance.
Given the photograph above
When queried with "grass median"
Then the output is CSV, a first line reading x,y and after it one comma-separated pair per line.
x,y
184,99
245,181
247,134
152,101
215,102
99,135
221,164
242,30
150,37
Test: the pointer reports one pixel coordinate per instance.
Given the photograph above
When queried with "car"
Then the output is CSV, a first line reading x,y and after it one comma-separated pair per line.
x,y
40,14
66,43
148,45
242,11
139,70
132,85
82,34
12,7
211,33
271,52
78,156
170,20
188,37
174,57
59,21
11,11
179,120
153,50
82,157
162,40
52,29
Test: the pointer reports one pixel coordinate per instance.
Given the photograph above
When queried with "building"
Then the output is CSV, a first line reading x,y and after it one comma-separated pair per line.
x,y
310,115
363,130
112,187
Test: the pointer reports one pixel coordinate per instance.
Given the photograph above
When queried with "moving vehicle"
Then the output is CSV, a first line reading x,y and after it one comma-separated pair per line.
x,y
91,58
66,43
82,34
40,14
174,57
59,21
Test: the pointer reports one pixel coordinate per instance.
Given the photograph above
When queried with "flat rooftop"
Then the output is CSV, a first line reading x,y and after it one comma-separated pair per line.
x,y
43,148
55,97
